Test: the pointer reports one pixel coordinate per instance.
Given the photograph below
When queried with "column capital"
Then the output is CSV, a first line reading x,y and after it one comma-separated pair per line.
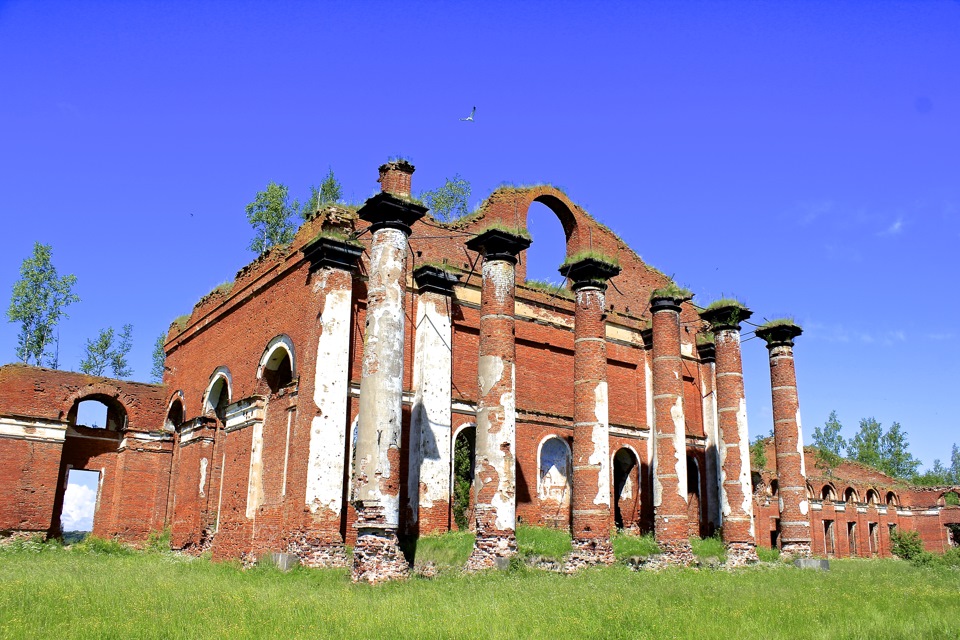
x,y
669,298
778,333
589,272
389,211
496,243
707,350
726,315
435,278
328,250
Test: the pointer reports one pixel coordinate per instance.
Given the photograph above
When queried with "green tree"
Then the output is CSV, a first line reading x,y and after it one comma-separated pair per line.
x,y
97,353
159,358
38,302
461,482
329,192
955,465
895,456
118,357
269,214
936,476
865,447
829,443
449,201
758,453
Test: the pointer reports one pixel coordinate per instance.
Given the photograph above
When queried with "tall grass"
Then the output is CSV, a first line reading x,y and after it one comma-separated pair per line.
x,y
543,541
64,593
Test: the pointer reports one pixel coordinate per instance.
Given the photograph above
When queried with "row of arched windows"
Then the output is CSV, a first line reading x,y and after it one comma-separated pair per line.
x,y
276,370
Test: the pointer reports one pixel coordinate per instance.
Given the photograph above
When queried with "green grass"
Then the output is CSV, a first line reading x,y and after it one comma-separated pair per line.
x,y
672,290
780,322
543,541
726,302
591,254
447,551
768,555
709,548
626,546
63,593
505,228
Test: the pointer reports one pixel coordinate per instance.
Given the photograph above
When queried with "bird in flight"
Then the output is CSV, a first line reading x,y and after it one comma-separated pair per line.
x,y
469,118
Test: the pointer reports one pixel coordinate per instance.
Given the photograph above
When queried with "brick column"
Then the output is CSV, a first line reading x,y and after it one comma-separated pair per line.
x,y
376,473
707,352
736,495
788,438
318,542
591,424
428,478
495,482
670,451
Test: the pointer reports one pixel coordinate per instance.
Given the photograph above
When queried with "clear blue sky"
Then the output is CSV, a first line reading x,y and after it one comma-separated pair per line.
x,y
804,156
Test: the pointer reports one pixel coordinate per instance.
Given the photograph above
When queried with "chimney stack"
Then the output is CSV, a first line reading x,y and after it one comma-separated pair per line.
x,y
395,178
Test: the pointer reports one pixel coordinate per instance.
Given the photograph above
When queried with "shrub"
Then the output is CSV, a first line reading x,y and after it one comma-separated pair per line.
x,y
158,541
906,544
103,546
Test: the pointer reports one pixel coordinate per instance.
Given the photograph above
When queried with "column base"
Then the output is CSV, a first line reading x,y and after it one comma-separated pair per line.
x,y
795,550
589,552
317,551
492,551
741,554
673,553
377,557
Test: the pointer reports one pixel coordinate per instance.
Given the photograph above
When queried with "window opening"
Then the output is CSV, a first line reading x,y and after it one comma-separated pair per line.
x,y
79,504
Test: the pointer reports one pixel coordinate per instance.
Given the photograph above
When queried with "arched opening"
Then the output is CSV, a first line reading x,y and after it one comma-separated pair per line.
x,y
872,497
553,482
98,412
218,396
549,248
774,488
464,446
828,493
626,491
276,364
79,504
949,499
174,416
810,493
851,496
693,497
892,500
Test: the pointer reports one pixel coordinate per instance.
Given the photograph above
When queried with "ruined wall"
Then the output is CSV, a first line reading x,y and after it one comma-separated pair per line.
x,y
40,442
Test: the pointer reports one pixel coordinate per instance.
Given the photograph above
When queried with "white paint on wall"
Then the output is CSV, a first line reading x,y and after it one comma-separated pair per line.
x,y
601,443
680,446
255,478
430,443
203,475
327,437
743,433
803,463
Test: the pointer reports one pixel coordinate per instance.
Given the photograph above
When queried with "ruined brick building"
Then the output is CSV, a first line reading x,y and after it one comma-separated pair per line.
x,y
319,400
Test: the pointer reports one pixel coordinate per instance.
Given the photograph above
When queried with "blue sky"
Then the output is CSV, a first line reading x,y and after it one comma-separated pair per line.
x,y
804,156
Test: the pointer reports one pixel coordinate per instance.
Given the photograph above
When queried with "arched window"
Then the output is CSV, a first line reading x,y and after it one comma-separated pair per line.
x,y
828,493
949,499
851,495
276,364
872,497
892,499
810,493
554,476
174,416
217,397
98,412
774,488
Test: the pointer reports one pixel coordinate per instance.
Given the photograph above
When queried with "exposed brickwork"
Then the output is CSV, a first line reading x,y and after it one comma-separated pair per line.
x,y
671,496
234,461
791,470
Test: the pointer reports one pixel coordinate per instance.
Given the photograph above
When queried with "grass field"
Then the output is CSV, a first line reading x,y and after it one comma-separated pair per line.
x,y
57,593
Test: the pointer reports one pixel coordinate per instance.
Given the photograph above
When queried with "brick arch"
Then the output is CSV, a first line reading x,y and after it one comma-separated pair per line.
x,y
111,395
872,496
849,492
942,498
218,374
828,492
175,397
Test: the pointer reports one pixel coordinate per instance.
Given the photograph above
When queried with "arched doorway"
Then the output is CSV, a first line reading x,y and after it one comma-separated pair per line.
x,y
464,446
626,491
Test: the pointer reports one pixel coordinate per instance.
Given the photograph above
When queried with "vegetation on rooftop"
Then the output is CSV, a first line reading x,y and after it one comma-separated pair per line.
x,y
779,322
705,337
672,290
506,228
723,303
591,254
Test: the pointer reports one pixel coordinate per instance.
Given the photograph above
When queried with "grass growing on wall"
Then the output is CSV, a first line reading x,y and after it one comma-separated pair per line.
x,y
62,593
543,541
